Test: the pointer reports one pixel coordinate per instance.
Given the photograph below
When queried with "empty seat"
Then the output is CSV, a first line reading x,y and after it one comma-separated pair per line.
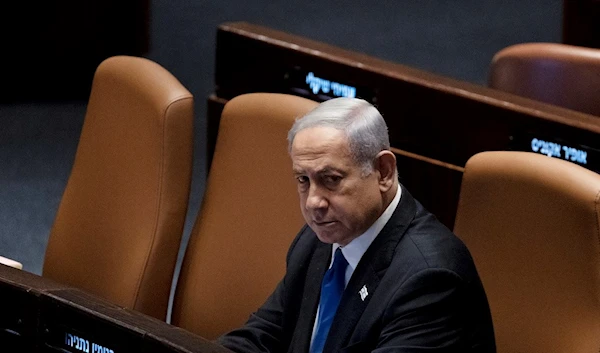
x,y
531,223
118,227
249,216
559,74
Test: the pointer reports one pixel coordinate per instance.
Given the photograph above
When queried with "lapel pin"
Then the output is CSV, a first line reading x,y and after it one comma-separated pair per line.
x,y
363,292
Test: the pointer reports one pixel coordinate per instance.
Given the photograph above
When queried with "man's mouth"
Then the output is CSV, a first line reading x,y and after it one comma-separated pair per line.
x,y
323,223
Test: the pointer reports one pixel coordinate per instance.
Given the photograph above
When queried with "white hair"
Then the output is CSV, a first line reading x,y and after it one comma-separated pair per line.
x,y
360,121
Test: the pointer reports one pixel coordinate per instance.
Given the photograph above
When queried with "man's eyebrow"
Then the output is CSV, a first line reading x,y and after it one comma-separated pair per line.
x,y
324,170
329,169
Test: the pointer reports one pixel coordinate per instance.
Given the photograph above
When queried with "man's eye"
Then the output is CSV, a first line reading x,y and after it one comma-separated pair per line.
x,y
333,179
302,179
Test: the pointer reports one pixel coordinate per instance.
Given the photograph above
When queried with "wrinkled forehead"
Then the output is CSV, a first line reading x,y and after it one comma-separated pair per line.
x,y
320,139
321,148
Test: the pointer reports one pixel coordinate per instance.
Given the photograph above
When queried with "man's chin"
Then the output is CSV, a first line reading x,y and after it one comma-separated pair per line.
x,y
330,237
327,236
324,233
327,239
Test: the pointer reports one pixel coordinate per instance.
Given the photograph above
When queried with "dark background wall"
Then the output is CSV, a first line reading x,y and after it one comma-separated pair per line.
x,y
38,133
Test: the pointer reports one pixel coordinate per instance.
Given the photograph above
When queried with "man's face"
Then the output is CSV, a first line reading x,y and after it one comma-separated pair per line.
x,y
337,201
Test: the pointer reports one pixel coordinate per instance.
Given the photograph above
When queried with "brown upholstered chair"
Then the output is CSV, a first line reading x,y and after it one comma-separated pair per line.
x,y
532,225
250,214
559,74
118,227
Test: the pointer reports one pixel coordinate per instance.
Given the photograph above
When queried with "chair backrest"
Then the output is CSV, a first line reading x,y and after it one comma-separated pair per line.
x,y
249,216
119,224
559,74
531,223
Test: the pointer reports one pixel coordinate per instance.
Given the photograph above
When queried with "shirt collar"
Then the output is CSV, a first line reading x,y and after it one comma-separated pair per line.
x,y
354,251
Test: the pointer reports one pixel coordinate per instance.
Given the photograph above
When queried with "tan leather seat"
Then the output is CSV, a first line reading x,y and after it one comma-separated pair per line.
x,y
559,74
250,214
532,225
118,227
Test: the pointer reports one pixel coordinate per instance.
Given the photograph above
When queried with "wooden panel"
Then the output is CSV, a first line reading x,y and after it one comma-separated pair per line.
x,y
430,117
38,315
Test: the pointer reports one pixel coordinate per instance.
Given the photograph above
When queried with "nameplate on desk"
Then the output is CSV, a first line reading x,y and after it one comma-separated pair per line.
x,y
314,85
556,147
84,345
65,339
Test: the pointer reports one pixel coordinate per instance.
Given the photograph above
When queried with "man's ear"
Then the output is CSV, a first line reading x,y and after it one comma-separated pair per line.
x,y
385,164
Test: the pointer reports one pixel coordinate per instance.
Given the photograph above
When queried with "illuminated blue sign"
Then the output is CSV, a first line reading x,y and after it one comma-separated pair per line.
x,y
553,149
83,345
558,147
336,89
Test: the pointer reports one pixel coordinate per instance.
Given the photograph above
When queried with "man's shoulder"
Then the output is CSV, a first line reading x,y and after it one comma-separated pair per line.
x,y
431,244
306,239
302,247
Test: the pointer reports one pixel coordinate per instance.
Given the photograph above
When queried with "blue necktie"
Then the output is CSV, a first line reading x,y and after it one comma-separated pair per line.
x,y
332,288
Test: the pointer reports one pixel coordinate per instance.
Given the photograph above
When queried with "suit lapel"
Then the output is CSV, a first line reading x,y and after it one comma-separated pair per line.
x,y
319,263
368,274
351,308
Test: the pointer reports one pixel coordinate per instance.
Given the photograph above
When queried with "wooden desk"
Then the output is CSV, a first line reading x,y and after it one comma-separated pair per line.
x,y
436,123
39,315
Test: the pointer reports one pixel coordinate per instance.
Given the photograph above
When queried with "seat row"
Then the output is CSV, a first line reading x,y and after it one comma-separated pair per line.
x,y
119,225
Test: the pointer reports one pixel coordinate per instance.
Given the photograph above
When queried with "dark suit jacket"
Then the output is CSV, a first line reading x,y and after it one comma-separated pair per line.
x,y
424,295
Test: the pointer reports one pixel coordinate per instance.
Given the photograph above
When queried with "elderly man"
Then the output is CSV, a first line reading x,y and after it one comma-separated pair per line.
x,y
371,270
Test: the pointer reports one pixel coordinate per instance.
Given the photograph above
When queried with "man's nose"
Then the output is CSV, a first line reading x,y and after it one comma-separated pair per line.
x,y
315,199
